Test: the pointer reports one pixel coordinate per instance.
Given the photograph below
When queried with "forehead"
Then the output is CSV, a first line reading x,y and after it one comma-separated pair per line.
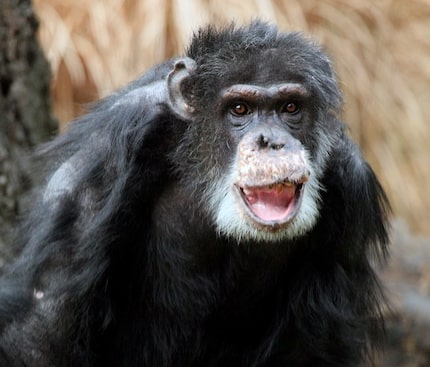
x,y
266,67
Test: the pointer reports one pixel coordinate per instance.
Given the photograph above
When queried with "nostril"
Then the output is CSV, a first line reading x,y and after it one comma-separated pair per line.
x,y
277,146
263,141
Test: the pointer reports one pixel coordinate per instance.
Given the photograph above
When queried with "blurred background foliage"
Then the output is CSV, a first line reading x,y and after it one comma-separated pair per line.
x,y
380,48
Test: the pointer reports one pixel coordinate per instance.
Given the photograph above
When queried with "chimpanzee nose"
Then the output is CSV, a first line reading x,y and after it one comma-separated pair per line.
x,y
271,142
269,139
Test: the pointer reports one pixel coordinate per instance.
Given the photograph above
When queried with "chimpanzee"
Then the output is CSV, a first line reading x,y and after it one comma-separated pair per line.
x,y
214,212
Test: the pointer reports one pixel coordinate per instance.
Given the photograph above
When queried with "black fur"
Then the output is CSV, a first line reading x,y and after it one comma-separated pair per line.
x,y
122,264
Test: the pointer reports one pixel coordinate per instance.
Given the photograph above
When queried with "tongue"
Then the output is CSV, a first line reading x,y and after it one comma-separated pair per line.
x,y
270,204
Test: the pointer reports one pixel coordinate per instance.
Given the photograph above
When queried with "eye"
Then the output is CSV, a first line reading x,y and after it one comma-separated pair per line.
x,y
291,108
240,109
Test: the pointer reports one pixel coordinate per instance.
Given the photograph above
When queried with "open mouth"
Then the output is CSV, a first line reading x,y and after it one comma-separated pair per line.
x,y
273,204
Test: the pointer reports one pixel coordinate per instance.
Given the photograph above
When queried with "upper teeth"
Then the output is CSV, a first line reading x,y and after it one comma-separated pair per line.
x,y
279,186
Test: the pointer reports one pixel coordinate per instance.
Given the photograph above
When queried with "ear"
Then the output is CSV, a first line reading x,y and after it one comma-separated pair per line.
x,y
183,69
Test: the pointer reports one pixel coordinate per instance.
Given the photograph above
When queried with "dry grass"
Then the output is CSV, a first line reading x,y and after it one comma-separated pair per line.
x,y
381,50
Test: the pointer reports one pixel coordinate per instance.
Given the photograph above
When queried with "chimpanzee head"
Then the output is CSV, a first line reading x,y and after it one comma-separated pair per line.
x,y
261,108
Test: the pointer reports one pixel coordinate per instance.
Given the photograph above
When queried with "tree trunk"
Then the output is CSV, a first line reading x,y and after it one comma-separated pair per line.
x,y
25,118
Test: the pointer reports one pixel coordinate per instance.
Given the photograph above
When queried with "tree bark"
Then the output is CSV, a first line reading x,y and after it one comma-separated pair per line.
x,y
25,117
